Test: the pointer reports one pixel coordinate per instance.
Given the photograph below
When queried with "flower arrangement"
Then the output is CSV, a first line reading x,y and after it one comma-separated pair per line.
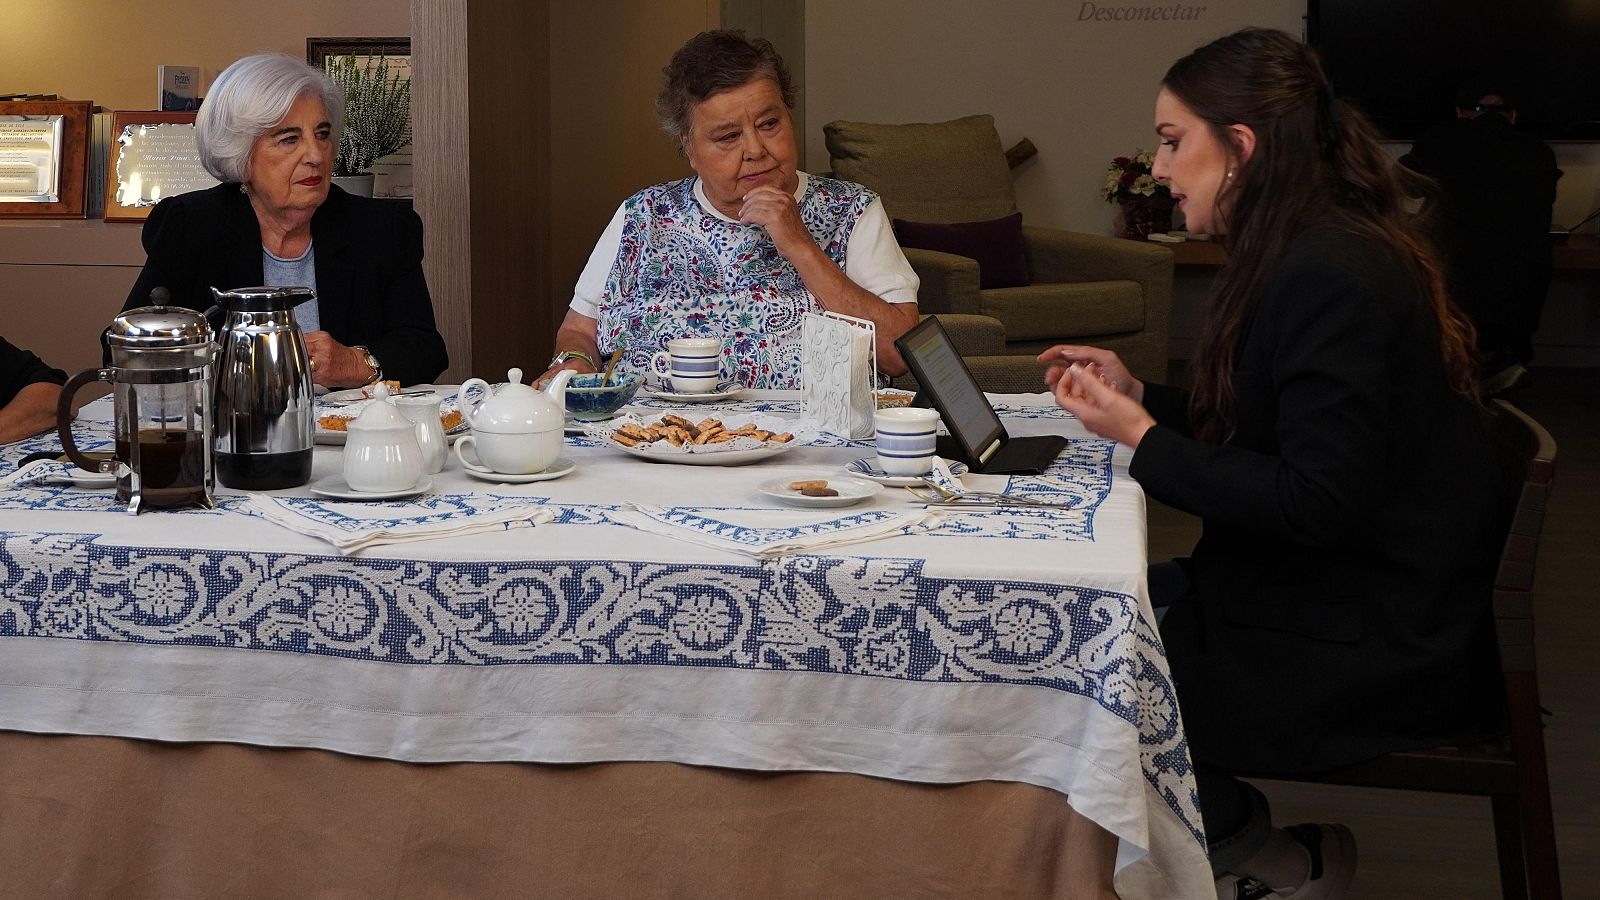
x,y
377,112
1129,178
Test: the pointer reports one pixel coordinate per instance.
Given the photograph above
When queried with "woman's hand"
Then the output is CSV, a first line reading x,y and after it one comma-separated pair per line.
x,y
1101,408
333,365
1101,362
575,364
776,211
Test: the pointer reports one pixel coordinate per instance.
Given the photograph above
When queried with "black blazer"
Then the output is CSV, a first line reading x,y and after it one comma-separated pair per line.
x,y
370,286
1341,589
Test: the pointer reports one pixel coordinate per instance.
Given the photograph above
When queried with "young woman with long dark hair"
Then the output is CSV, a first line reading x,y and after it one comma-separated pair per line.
x,y
1336,607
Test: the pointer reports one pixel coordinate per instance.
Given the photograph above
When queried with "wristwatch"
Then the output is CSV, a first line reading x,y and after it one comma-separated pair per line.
x,y
372,363
562,357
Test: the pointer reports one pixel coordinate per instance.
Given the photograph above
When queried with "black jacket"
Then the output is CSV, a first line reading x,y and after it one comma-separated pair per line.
x,y
1342,584
370,286
20,368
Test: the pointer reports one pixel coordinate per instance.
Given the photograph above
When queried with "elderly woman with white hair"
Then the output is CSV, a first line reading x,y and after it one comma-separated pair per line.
x,y
268,131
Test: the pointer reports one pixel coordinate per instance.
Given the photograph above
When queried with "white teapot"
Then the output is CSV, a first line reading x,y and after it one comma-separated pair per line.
x,y
381,452
516,429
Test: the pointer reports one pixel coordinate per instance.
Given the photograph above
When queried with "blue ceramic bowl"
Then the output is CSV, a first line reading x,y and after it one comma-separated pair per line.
x,y
587,401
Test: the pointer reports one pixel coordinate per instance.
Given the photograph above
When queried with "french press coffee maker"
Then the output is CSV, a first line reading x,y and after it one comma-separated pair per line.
x,y
161,381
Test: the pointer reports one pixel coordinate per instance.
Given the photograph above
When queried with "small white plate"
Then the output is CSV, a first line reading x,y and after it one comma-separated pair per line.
x,y
353,395
336,487
557,469
864,468
724,391
337,438
851,491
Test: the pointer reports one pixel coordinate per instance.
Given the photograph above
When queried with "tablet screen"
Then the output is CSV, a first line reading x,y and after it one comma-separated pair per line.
x,y
951,388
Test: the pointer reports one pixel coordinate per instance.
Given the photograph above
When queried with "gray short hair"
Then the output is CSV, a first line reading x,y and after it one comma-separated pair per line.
x,y
247,100
710,63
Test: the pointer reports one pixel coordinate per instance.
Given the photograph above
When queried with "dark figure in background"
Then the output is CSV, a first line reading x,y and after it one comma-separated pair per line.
x,y
1497,186
29,390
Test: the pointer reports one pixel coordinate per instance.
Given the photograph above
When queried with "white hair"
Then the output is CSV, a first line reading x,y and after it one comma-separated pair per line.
x,y
249,99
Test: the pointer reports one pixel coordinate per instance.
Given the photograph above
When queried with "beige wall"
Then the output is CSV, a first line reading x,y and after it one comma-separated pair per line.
x,y
606,58
1082,91
107,50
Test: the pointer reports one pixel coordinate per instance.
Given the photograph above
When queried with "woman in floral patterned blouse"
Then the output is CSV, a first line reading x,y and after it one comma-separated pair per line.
x,y
743,249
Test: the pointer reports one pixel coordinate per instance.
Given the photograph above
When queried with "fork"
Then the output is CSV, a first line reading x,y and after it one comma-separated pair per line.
x,y
946,497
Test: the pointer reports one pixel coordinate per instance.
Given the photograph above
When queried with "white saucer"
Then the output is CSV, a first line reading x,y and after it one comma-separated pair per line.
x,y
851,490
723,392
336,487
557,469
864,468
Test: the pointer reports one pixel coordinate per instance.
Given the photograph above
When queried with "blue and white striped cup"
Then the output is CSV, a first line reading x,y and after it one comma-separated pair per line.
x,y
906,438
694,365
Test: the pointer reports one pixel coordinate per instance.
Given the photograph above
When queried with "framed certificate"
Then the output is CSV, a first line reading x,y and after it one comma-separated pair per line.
x,y
153,155
44,155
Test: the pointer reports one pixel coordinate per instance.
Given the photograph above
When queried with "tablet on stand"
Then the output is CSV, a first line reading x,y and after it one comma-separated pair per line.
x,y
977,436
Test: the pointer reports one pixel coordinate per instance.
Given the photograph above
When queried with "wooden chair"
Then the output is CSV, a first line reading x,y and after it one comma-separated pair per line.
x,y
1511,772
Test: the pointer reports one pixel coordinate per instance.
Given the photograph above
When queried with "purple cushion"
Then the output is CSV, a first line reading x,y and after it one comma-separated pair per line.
x,y
996,245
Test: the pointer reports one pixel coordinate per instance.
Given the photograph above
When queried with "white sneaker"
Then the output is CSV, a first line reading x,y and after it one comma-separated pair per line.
x,y
1243,887
1333,861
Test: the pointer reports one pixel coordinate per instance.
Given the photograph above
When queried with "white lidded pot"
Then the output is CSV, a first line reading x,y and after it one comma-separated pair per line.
x,y
516,429
381,452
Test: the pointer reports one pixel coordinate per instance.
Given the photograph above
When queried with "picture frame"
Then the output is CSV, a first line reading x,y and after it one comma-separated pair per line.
x,y
392,174
177,171
66,132
318,49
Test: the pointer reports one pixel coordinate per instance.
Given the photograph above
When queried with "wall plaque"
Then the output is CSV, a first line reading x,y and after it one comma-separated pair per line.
x,y
153,155
44,151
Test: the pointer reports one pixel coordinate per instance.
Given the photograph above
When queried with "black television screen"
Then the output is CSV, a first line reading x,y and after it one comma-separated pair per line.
x,y
1402,60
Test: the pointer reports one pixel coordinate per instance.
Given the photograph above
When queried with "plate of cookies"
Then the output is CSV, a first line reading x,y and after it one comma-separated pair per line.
x,y
833,490
707,441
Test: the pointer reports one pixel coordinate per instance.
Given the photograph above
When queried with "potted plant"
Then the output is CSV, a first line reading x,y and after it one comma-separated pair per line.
x,y
1145,204
377,118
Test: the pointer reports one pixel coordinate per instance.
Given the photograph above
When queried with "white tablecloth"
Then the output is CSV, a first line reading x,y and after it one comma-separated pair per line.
x,y
1009,644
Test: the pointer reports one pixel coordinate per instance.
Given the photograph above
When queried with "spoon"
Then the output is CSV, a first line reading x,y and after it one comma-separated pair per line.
x,y
610,365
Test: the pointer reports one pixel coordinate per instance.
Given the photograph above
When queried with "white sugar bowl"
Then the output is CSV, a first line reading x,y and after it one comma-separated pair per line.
x,y
516,430
381,453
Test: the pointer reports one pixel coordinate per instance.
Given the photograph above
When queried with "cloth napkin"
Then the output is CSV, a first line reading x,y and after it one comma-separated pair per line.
x,y
40,471
767,533
352,527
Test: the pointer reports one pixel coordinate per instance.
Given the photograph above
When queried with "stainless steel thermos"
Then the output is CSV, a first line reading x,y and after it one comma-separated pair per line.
x,y
265,417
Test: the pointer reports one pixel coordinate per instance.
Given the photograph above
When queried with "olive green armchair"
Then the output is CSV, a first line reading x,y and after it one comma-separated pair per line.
x,y
1083,288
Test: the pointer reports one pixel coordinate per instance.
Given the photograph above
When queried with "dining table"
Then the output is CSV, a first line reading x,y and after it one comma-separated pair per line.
x,y
637,679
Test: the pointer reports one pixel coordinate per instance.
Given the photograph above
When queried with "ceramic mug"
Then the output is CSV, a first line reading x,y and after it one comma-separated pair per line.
x,y
906,439
511,454
694,365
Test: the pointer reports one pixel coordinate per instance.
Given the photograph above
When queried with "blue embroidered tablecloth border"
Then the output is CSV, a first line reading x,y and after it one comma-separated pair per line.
x,y
865,617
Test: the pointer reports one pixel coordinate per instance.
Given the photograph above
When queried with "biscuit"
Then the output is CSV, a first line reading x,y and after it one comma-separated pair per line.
x,y
807,485
333,423
635,432
626,440
680,422
784,438
720,437
820,492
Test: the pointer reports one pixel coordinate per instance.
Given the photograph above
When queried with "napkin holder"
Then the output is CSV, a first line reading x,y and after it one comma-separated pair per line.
x,y
838,365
